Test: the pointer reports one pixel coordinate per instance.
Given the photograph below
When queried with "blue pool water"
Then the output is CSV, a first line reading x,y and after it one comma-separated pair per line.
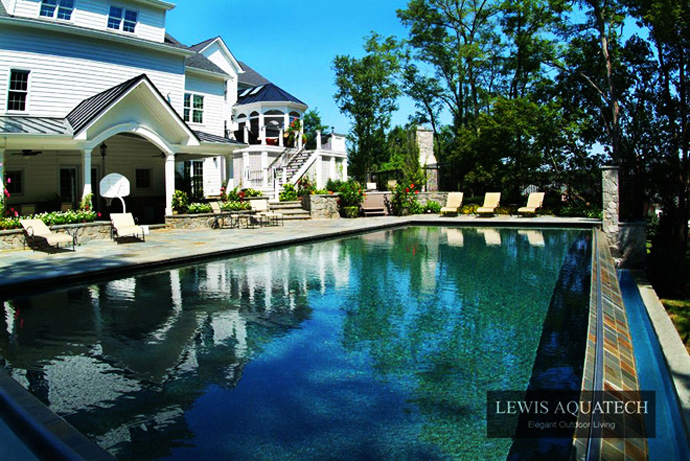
x,y
381,346
671,442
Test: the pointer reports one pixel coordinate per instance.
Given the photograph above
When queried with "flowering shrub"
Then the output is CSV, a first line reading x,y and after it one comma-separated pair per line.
x,y
291,134
86,203
250,193
235,205
351,194
405,199
305,187
233,195
194,208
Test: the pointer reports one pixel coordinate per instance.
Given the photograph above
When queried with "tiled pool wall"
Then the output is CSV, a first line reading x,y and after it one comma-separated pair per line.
x,y
609,365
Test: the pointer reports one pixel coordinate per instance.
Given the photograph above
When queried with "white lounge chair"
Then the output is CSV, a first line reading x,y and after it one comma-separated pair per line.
x,y
491,202
124,226
534,202
36,230
453,203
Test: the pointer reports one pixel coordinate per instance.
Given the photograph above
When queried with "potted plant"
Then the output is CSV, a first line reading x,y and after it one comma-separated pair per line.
x,y
180,201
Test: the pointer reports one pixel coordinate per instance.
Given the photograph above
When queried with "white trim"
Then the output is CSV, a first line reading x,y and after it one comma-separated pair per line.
x,y
121,25
135,128
27,104
226,51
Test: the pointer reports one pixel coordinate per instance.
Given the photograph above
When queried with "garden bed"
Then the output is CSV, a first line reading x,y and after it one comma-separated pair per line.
x,y
13,239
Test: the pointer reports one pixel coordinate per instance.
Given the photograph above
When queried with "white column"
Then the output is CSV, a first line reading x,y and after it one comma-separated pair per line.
x,y
333,171
245,133
264,169
86,172
169,182
318,139
301,132
286,121
229,174
2,175
262,129
245,166
345,170
319,172
280,138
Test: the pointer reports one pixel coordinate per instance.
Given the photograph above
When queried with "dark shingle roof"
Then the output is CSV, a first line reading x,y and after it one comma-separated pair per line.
x,y
170,40
207,137
17,124
267,93
202,45
250,77
199,61
91,107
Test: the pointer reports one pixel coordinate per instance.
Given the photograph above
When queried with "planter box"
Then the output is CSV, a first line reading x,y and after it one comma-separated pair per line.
x,y
85,232
200,220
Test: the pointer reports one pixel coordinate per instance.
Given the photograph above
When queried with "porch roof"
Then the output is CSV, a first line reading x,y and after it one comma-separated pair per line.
x,y
207,137
49,126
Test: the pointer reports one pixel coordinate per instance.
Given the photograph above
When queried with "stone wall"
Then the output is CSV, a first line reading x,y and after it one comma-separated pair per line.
x,y
199,220
85,232
610,205
436,196
322,206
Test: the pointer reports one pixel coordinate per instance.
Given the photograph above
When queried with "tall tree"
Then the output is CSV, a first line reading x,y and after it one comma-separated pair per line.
x,y
312,124
367,93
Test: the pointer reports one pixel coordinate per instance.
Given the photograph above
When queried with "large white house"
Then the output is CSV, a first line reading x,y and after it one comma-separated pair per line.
x,y
92,87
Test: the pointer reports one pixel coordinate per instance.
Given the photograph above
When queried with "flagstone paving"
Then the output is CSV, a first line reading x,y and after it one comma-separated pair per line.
x,y
21,269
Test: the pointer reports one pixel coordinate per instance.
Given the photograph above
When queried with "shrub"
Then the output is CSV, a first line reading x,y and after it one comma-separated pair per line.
x,y
432,207
194,208
405,199
232,195
289,193
470,208
249,192
580,209
180,201
351,194
305,187
235,205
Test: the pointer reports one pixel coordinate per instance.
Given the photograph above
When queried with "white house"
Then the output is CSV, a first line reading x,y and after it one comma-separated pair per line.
x,y
91,87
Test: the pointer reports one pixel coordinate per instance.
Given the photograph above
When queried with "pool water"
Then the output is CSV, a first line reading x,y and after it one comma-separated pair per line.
x,y
380,346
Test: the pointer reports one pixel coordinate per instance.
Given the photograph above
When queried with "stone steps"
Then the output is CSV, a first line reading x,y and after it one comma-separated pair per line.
x,y
290,210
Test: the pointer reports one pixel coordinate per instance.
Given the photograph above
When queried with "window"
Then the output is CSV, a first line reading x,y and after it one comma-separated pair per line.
x,y
193,108
143,178
13,182
68,185
63,8
121,18
18,91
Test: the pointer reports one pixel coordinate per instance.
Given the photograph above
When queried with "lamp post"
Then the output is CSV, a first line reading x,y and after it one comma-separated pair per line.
x,y
104,150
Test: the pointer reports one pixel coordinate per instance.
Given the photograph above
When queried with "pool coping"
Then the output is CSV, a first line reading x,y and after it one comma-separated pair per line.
x,y
675,353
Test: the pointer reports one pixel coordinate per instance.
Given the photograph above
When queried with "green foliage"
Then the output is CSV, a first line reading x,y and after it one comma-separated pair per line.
x,y
289,193
180,201
86,204
432,207
233,195
580,209
469,208
235,205
305,187
9,222
367,94
312,124
351,194
195,208
404,199
250,193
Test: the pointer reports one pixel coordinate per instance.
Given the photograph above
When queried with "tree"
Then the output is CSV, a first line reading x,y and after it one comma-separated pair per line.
x,y
367,93
312,124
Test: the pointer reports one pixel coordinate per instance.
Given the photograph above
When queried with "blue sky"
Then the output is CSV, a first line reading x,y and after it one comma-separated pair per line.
x,y
292,43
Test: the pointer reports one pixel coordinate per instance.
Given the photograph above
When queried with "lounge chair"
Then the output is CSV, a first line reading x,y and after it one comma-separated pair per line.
x,y
124,226
491,202
36,230
263,216
453,203
534,202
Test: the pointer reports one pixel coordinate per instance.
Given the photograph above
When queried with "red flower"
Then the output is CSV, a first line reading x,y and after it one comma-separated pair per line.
x,y
9,180
99,215
412,186
407,189
416,192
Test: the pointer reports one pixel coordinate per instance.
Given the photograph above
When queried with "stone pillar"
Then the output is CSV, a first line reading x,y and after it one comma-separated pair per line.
x,y
610,205
169,181
86,172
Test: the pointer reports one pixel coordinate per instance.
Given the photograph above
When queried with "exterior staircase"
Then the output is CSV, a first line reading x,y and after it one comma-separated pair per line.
x,y
296,163
290,210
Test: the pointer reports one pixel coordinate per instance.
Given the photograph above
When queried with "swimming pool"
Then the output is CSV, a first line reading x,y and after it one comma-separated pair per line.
x,y
378,346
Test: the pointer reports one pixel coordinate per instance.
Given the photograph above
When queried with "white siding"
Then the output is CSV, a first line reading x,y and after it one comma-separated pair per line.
x,y
212,90
66,70
212,179
9,5
94,15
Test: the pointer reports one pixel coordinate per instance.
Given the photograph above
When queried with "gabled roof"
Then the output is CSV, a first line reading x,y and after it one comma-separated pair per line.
x,y
91,107
266,93
250,77
204,44
199,61
229,57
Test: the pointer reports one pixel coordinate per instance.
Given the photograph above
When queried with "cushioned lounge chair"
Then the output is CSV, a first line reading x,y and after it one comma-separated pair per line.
x,y
453,203
491,202
37,231
124,226
534,202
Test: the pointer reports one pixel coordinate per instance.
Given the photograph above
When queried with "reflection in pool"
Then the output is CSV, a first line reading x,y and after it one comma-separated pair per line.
x,y
379,346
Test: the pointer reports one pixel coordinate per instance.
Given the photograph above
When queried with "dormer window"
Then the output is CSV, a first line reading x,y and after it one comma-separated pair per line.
x,y
121,18
60,9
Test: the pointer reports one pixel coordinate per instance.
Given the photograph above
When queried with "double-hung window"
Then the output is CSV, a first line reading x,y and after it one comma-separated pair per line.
x,y
121,18
193,108
18,90
61,9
